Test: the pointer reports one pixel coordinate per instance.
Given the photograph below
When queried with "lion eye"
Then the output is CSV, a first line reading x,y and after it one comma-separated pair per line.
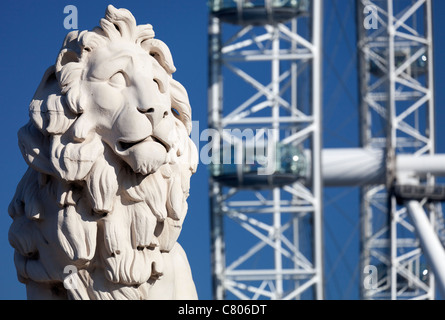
x,y
118,79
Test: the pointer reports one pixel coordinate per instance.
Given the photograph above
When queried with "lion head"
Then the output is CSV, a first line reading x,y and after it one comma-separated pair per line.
x,y
110,163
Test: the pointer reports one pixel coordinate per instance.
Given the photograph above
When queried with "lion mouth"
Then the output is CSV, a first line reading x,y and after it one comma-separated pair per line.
x,y
126,145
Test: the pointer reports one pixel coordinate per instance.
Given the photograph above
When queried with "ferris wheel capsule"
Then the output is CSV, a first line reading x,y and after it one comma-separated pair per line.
x,y
258,12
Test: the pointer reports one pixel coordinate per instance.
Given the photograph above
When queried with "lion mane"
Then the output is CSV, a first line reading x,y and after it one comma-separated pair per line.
x,y
87,225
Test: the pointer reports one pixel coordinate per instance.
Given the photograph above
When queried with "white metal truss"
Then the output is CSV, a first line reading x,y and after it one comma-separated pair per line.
x,y
267,236
397,115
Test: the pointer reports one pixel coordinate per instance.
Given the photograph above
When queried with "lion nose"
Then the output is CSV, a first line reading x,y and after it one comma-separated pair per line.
x,y
162,122
155,113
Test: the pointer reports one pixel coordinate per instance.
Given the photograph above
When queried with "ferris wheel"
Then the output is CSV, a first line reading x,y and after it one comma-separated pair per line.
x,y
270,170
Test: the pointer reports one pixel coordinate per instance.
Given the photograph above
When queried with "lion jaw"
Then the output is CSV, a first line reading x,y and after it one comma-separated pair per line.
x,y
145,156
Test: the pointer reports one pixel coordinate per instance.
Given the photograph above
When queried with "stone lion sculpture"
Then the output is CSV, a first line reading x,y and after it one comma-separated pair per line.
x,y
99,210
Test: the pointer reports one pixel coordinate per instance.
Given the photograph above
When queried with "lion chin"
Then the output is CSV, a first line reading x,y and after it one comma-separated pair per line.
x,y
144,157
98,213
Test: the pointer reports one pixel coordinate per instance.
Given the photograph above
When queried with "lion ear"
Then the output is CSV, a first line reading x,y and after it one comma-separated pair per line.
x,y
160,51
68,73
47,109
65,56
37,115
180,102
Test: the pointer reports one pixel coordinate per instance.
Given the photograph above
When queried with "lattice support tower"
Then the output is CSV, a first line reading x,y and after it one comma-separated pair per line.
x,y
397,117
264,49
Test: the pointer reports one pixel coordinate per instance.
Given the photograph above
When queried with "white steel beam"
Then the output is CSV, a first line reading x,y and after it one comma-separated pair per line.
x,y
366,166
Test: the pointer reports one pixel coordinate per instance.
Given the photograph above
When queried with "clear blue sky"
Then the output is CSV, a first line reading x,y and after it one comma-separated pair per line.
x,y
31,33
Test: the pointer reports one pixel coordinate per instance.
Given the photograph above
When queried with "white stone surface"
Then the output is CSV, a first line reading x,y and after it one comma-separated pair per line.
x,y
98,213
